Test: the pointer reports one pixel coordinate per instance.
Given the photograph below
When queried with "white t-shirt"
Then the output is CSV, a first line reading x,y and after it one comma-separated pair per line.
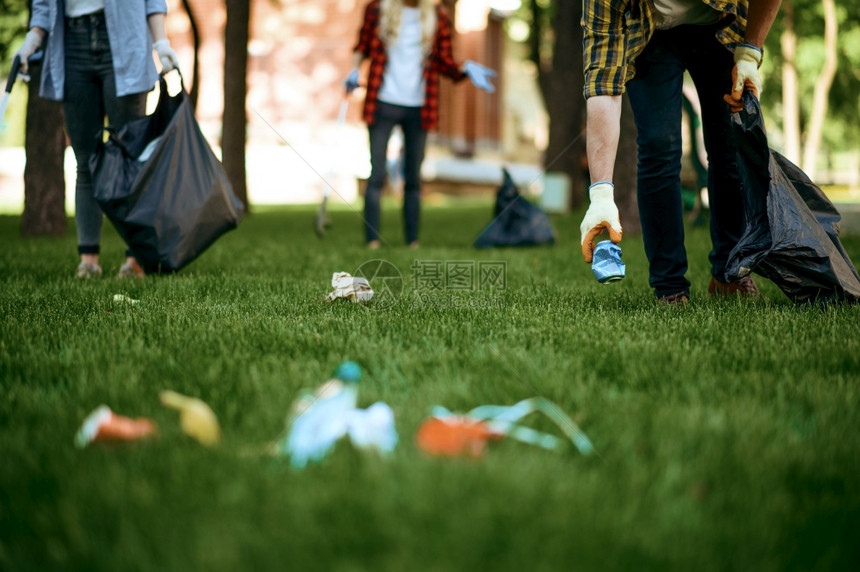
x,y
671,13
403,80
75,8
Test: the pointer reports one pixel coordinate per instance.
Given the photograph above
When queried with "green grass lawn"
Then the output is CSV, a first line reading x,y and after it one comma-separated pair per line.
x,y
726,432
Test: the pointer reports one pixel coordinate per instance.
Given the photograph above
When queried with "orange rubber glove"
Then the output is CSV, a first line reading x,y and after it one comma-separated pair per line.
x,y
602,214
744,75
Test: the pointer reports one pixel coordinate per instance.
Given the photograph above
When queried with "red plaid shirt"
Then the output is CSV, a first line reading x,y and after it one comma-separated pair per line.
x,y
439,61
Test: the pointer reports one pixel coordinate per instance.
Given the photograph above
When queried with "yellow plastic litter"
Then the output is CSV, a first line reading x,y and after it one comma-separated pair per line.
x,y
195,417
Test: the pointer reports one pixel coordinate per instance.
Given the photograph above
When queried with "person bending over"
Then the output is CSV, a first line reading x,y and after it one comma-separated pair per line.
x,y
644,47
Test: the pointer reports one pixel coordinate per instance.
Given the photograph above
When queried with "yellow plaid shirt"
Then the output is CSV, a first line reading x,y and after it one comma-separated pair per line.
x,y
616,31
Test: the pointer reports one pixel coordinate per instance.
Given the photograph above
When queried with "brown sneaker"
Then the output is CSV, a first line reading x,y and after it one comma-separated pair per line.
x,y
676,299
742,287
131,270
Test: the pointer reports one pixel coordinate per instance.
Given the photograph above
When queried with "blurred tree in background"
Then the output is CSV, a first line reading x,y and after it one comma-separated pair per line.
x,y
555,47
44,142
812,80
235,120
195,43
13,26
44,179
558,59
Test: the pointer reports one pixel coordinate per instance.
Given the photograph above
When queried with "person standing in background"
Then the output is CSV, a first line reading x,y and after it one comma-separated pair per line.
x,y
98,62
408,43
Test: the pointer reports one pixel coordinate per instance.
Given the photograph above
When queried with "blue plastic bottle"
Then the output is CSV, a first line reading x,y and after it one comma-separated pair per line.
x,y
607,265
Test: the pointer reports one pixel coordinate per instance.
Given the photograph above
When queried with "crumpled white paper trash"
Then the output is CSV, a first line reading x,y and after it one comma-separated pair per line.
x,y
349,287
123,299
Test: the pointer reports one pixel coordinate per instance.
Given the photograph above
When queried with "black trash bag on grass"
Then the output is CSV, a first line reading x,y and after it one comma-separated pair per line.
x,y
517,222
161,186
791,229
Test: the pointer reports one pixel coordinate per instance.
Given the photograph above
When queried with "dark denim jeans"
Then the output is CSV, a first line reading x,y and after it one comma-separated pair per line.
x,y
655,95
89,94
414,142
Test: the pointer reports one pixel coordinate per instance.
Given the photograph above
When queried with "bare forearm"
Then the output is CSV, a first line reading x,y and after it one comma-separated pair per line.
x,y
357,58
602,132
156,27
761,15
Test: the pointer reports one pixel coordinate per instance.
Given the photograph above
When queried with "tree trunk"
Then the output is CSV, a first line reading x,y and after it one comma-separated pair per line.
x,y
561,87
195,70
235,121
44,183
626,171
822,90
790,97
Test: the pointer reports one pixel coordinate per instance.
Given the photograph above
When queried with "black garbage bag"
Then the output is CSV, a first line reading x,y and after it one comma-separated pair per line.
x,y
791,229
161,186
516,221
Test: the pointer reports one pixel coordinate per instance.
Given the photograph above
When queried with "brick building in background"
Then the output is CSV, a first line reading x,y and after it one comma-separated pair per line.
x,y
299,55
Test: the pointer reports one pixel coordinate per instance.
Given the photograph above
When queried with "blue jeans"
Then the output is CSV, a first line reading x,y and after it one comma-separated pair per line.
x,y
414,142
655,96
90,94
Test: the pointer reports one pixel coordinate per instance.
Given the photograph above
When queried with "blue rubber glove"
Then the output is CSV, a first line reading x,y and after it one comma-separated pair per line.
x,y
351,82
480,75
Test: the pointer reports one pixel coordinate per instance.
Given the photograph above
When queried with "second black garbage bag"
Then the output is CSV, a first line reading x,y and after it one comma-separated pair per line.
x,y
791,230
162,187
516,221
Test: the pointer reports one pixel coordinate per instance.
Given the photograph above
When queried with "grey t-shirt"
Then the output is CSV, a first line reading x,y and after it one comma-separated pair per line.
x,y
671,13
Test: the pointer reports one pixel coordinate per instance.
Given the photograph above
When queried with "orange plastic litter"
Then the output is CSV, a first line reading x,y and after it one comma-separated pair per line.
x,y
454,437
119,428
105,425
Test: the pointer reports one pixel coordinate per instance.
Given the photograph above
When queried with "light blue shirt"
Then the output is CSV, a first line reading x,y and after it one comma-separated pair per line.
x,y
130,40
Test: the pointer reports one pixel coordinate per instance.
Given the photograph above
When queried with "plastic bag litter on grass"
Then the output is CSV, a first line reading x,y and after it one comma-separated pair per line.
x,y
516,221
318,419
452,435
791,229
